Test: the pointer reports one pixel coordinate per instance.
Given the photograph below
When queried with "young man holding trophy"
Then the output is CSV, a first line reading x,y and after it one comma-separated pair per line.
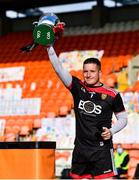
x,y
94,105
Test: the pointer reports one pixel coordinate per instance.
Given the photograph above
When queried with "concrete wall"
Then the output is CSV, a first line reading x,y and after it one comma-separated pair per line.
x,y
5,26
124,13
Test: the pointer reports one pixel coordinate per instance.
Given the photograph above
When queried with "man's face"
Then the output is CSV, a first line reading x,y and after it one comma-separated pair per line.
x,y
91,74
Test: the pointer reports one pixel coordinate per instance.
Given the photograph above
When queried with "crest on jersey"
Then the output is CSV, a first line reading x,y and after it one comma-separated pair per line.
x,y
103,96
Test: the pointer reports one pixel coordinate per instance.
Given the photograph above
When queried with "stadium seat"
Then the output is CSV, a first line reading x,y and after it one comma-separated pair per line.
x,y
16,129
10,122
2,138
41,81
37,123
63,110
10,137
24,130
20,122
8,129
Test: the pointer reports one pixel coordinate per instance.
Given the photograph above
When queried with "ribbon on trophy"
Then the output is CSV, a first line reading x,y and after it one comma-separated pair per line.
x,y
46,31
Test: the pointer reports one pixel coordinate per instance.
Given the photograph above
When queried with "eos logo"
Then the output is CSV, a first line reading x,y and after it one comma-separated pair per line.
x,y
89,107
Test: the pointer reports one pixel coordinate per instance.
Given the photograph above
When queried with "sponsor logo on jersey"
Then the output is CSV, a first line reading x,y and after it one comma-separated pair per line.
x,y
90,107
83,89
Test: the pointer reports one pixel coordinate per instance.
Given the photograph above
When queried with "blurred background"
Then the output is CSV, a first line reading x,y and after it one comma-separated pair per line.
x,y
35,105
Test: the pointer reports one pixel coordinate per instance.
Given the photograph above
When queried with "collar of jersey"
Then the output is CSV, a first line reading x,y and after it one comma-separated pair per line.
x,y
91,86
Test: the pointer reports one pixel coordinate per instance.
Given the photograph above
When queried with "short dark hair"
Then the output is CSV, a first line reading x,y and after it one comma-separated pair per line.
x,y
93,61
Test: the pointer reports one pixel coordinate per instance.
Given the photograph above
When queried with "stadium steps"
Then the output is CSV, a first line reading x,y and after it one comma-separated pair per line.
x,y
40,80
122,26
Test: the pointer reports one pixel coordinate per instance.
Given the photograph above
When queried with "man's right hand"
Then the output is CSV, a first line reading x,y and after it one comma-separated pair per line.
x,y
59,30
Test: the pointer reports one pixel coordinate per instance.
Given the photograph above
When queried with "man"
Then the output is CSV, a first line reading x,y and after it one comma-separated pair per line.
x,y
94,105
121,158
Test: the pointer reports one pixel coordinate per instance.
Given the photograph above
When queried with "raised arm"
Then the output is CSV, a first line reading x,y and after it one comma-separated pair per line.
x,y
64,75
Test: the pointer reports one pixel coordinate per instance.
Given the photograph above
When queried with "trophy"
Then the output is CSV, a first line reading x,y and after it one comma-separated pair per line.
x,y
46,31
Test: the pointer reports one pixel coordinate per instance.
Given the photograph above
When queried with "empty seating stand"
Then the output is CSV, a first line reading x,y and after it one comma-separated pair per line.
x,y
41,81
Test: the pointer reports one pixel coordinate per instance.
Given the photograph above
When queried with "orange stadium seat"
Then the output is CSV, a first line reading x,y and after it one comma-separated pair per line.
x,y
37,123
8,129
29,122
20,122
135,146
10,122
2,138
16,129
51,114
10,137
24,130
63,110
40,80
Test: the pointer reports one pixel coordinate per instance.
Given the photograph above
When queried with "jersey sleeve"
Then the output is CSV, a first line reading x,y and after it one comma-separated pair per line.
x,y
74,85
118,105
